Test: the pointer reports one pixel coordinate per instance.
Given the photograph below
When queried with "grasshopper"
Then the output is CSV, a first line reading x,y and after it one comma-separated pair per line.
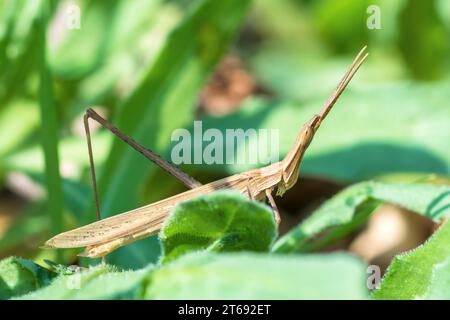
x,y
104,236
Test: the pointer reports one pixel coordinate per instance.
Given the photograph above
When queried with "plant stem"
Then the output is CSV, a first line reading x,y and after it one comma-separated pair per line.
x,y
49,128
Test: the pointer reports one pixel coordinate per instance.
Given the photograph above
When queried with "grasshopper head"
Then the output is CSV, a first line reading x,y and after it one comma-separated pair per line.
x,y
291,163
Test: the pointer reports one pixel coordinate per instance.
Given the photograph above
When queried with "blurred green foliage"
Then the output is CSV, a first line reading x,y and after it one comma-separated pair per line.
x,y
424,39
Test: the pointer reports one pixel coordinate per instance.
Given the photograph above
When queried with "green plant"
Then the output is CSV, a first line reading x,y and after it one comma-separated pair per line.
x,y
146,62
221,246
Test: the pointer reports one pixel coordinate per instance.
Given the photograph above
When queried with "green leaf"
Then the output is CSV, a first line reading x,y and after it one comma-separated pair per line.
x,y
61,268
94,283
163,102
218,276
49,127
19,276
223,221
349,208
259,276
421,273
440,281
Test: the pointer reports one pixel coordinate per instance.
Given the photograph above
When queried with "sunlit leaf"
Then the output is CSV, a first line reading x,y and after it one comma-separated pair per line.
x,y
95,283
19,276
421,273
258,276
351,207
220,222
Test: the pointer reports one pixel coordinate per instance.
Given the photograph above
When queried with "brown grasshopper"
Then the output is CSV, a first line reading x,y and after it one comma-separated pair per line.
x,y
105,236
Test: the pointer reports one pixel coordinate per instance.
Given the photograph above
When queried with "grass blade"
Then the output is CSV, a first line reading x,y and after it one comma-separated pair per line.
x,y
49,128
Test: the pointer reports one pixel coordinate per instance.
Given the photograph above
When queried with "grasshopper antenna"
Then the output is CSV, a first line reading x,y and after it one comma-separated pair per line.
x,y
293,159
357,62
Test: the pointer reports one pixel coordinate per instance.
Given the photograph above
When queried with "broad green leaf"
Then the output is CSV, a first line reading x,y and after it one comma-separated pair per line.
x,y
222,222
19,276
162,102
421,273
95,283
440,281
218,276
259,276
349,208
